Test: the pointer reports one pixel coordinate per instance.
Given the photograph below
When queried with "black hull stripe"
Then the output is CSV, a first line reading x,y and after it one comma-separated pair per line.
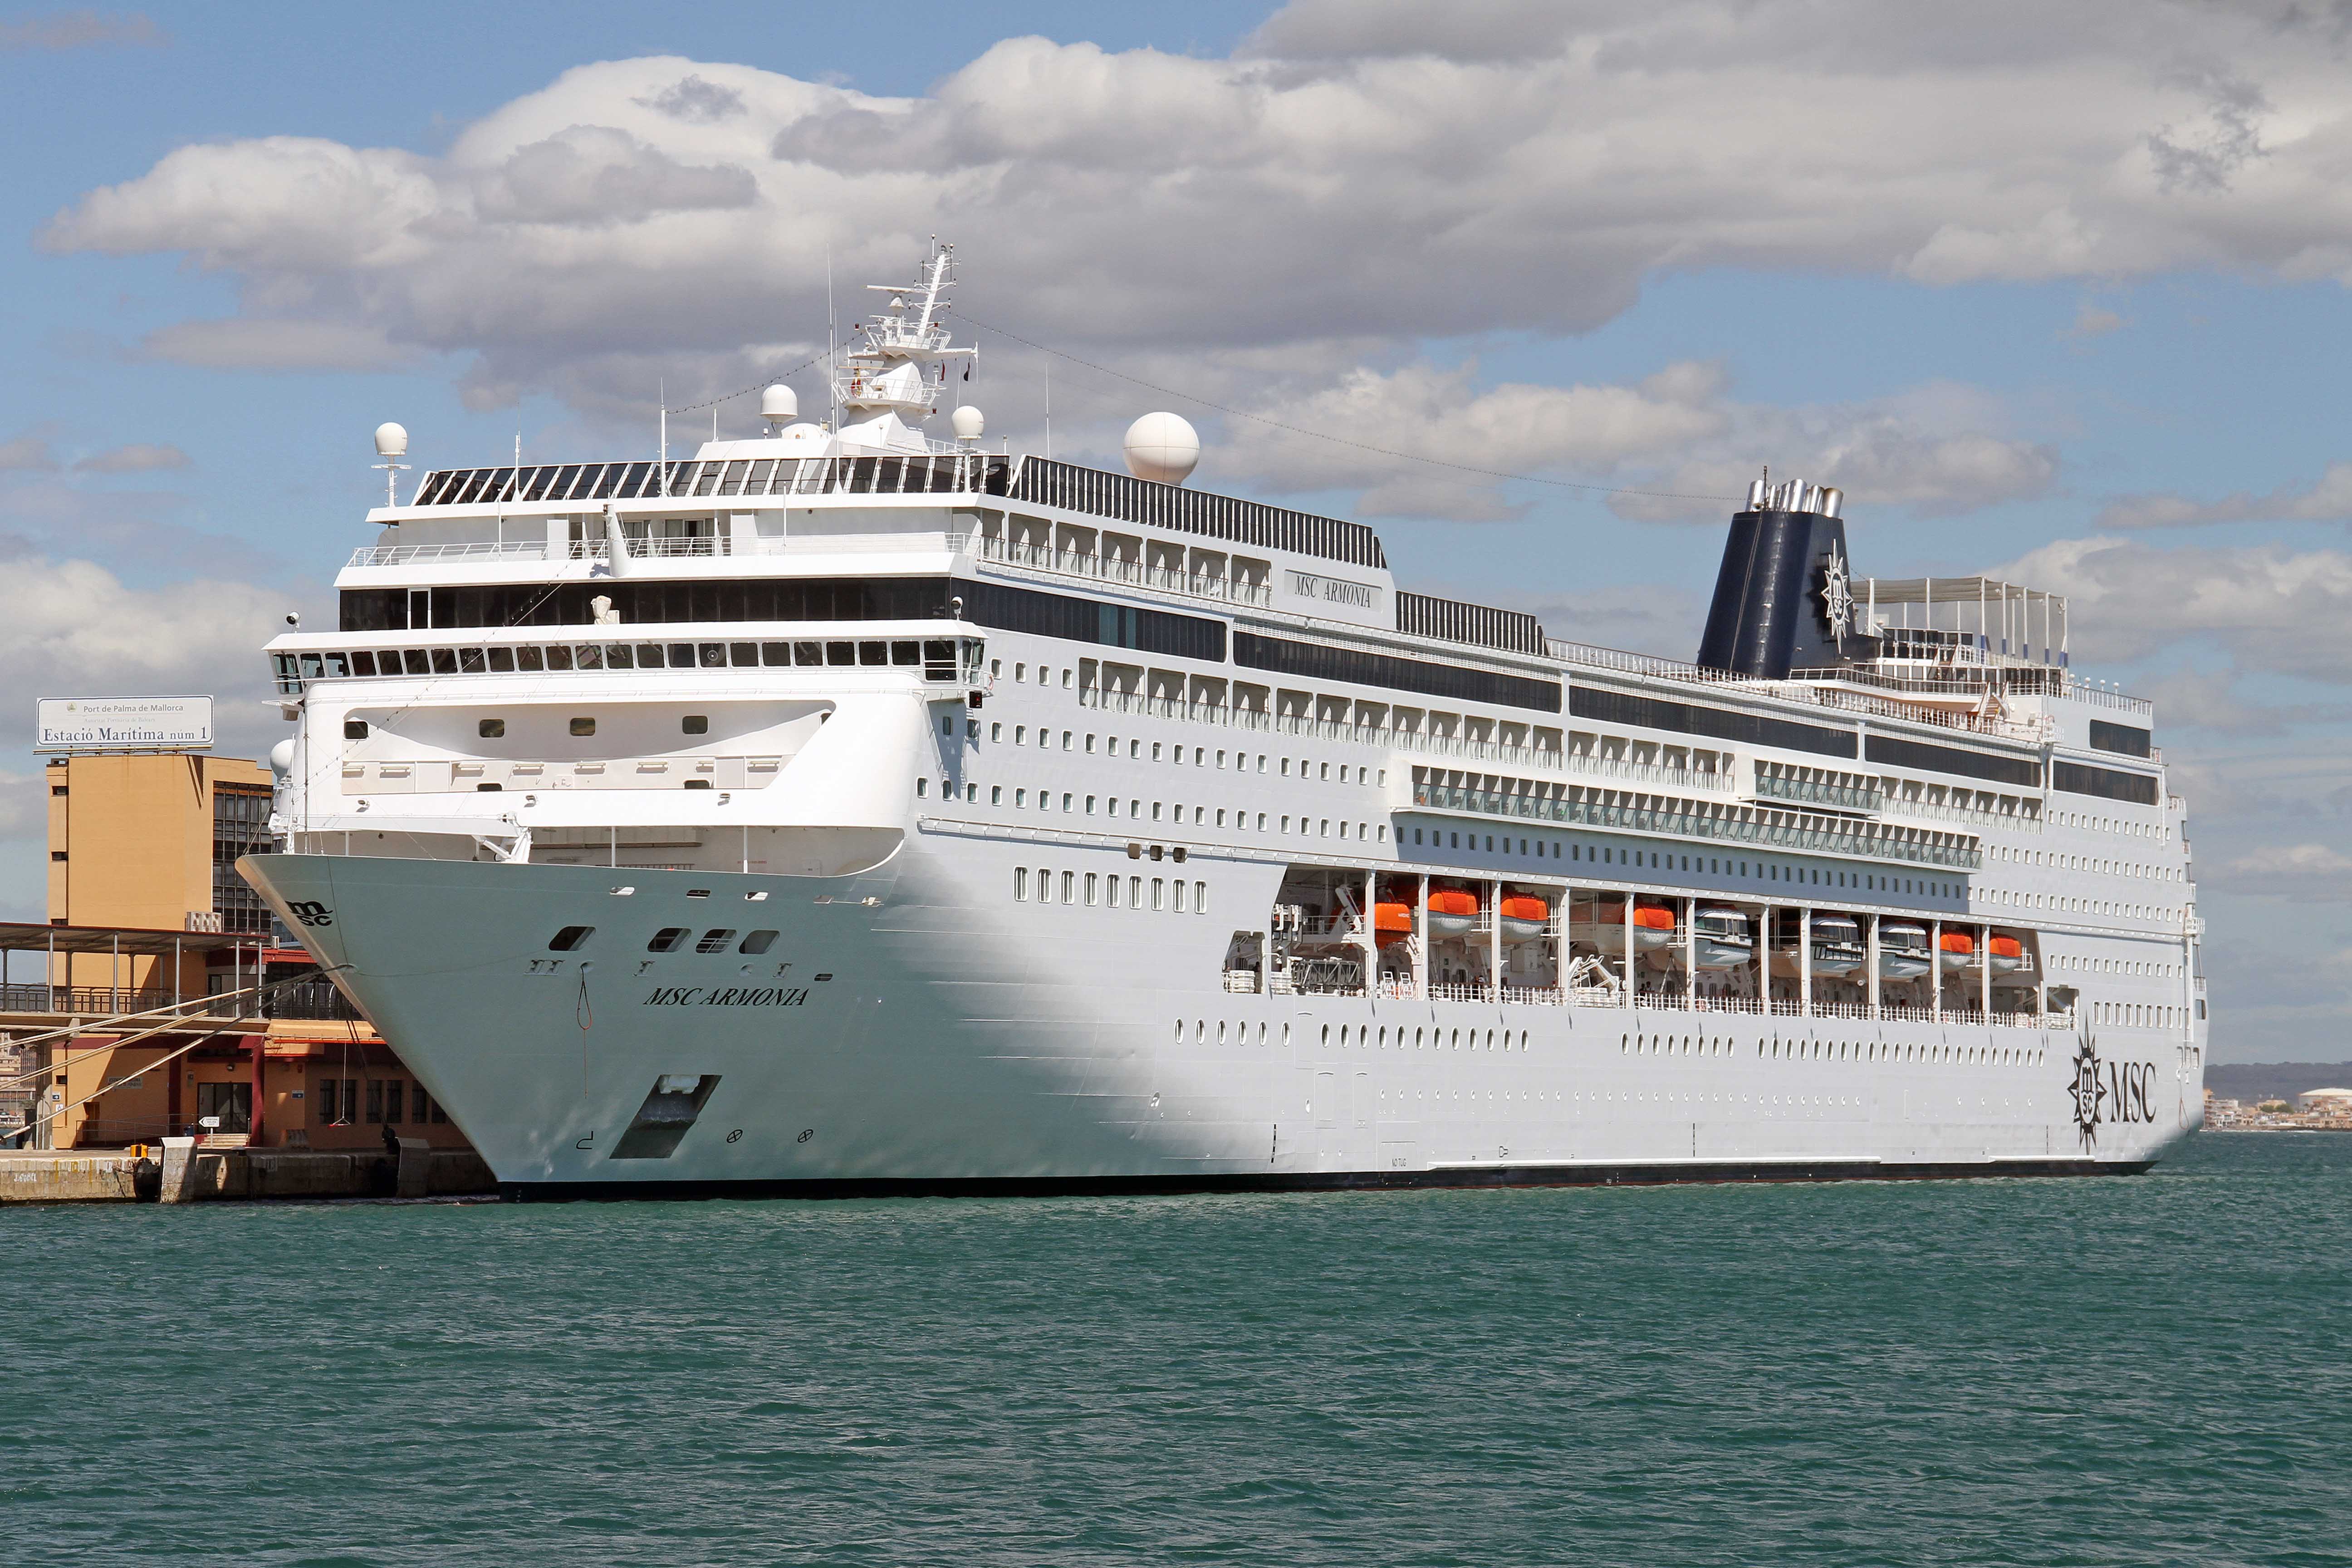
x,y
1330,1180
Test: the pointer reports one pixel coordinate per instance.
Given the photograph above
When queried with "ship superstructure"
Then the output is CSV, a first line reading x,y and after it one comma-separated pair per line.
x,y
851,810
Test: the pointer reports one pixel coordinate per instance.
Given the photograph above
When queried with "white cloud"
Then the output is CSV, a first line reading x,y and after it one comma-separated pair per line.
x,y
1678,444
2329,500
244,342
137,458
1362,173
2304,872
2272,609
71,627
78,30
26,453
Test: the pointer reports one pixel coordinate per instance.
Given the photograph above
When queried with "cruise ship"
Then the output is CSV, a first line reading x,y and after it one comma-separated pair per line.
x,y
852,810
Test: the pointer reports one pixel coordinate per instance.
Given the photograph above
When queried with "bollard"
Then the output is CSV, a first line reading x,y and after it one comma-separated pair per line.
x,y
179,1170
415,1166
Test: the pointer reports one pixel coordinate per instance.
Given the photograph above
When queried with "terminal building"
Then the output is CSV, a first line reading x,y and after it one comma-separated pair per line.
x,y
148,915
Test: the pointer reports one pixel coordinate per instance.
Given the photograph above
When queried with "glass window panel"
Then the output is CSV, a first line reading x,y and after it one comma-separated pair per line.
x,y
529,661
634,482
469,660
363,663
707,481
649,656
558,657
714,656
418,663
732,484
502,661
337,665
762,476
775,653
873,653
808,653
388,662
445,661
841,653
620,655
741,653
608,481
904,653
588,656
311,666
560,488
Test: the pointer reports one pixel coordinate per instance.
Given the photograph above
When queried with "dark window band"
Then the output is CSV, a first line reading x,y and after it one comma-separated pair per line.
x,y
2107,784
1315,662
2025,773
649,604
2125,740
1716,724
1027,610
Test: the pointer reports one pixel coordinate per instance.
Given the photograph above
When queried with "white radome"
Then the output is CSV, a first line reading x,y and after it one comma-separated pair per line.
x,y
1163,448
967,423
780,404
390,440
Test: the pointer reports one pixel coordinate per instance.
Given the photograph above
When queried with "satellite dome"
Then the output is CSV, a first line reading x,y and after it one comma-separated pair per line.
x,y
778,404
390,440
281,755
1161,447
967,423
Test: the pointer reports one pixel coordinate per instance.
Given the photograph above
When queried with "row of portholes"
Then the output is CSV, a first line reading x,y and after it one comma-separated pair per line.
x,y
1367,1036
1778,1050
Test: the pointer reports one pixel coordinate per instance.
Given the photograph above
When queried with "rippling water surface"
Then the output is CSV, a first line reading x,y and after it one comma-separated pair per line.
x,y
2127,1371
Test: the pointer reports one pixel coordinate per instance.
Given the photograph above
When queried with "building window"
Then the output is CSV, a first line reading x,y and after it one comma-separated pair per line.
x,y
393,1097
375,1100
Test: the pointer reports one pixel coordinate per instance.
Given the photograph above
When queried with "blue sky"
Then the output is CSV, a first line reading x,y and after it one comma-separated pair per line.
x,y
2060,294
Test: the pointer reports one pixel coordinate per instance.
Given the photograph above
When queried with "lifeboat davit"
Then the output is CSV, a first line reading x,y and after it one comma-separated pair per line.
x,y
1837,943
1720,938
1451,912
1903,951
1960,952
1654,927
1524,916
1392,924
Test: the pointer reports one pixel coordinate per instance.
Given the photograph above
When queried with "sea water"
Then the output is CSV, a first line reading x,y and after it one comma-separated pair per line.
x,y
2134,1371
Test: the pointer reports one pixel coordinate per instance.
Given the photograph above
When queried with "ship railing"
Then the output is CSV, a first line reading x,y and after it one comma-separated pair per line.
x,y
1113,569
1796,688
1110,700
1536,995
1458,991
474,550
1829,836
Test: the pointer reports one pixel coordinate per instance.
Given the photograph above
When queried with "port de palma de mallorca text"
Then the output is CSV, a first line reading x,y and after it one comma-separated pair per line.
x,y
850,810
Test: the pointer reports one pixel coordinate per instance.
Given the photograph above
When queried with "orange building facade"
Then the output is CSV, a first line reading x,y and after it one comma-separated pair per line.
x,y
146,912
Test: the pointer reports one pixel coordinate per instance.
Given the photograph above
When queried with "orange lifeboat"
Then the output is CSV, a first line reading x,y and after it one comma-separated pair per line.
x,y
1392,924
1650,916
1959,950
1524,916
2008,954
1452,911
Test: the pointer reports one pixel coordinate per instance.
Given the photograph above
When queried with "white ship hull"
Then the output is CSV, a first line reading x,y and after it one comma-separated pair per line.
x,y
903,1034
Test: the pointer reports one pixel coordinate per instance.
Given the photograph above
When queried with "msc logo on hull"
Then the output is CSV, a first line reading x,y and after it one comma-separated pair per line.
x,y
310,912
2119,1092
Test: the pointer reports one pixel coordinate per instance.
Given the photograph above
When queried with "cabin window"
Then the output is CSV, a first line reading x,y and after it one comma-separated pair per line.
x,y
583,726
757,942
667,940
570,937
491,729
714,941
695,724
355,730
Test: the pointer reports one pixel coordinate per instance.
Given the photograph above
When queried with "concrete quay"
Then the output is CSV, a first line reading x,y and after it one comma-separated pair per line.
x,y
185,1172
